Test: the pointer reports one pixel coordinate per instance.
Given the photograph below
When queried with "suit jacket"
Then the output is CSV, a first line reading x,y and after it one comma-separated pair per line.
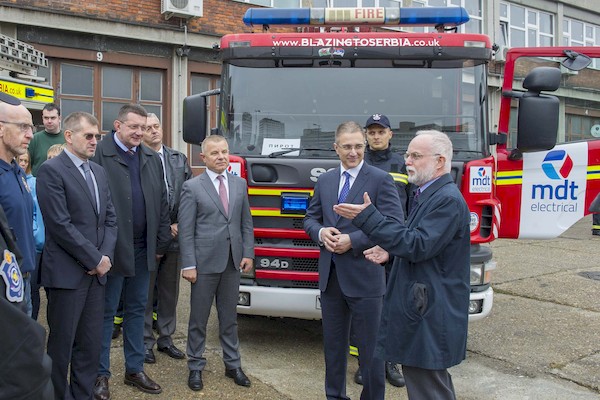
x,y
206,233
425,311
178,171
77,235
158,233
357,276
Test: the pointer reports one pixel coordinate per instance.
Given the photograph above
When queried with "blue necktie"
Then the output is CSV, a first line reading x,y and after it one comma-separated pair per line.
x,y
345,188
415,201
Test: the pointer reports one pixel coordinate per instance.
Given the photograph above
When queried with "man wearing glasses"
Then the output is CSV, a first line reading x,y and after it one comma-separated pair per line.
x,y
351,286
139,195
81,232
16,132
425,313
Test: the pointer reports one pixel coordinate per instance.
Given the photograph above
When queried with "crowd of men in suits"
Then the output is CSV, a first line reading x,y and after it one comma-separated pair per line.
x,y
124,215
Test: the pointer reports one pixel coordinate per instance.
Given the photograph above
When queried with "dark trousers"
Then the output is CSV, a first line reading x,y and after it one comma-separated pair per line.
x,y
135,296
426,384
75,322
164,289
35,288
365,313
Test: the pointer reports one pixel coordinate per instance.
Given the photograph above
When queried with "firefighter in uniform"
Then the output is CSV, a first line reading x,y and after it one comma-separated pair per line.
x,y
24,365
379,154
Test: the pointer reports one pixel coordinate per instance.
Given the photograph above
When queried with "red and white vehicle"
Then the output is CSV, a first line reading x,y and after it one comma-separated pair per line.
x,y
284,94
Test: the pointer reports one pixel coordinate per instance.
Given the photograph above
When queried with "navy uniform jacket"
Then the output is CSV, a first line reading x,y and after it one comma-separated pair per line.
x,y
393,163
15,198
425,313
358,277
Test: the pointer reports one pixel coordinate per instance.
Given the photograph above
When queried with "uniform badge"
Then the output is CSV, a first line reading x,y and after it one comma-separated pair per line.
x,y
25,184
376,117
9,269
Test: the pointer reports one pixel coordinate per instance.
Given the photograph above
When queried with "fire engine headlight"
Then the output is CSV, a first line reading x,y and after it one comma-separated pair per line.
x,y
481,274
244,299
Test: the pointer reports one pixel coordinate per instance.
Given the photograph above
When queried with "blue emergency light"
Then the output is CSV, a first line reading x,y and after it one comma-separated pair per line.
x,y
427,16
294,203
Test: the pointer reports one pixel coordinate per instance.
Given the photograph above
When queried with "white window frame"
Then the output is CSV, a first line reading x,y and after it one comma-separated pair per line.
x,y
535,26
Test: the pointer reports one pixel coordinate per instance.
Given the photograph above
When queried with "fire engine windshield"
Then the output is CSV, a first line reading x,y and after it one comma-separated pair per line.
x,y
275,110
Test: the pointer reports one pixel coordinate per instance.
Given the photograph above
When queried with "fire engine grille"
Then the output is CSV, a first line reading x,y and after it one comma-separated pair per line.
x,y
292,264
288,284
278,222
285,243
304,243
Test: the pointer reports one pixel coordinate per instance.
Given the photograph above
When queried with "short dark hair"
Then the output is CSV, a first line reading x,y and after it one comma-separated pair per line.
x,y
131,108
349,127
73,120
51,107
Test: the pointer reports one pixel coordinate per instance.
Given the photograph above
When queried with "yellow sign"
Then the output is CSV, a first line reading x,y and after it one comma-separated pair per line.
x,y
27,92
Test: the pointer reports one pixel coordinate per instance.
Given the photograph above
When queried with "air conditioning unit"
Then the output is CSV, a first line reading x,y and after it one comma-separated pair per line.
x,y
181,8
500,55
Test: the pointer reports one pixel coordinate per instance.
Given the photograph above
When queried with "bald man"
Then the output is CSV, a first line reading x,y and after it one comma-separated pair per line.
x,y
16,131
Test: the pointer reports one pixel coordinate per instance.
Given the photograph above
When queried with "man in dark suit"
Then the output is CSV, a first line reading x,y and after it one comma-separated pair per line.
x,y
425,315
351,286
135,177
216,242
164,282
81,232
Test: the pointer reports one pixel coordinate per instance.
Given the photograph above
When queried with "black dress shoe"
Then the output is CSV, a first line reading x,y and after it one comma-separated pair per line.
x,y
172,352
238,376
358,377
393,375
116,331
149,357
195,380
143,382
101,388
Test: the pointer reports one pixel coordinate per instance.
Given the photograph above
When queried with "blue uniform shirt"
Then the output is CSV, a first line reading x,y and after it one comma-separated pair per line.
x,y
15,198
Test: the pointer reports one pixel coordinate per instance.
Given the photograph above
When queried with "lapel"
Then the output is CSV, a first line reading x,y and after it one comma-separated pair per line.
x,y
74,172
356,191
425,195
233,188
209,187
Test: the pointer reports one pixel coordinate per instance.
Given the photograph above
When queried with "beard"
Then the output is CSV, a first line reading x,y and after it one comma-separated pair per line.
x,y
421,176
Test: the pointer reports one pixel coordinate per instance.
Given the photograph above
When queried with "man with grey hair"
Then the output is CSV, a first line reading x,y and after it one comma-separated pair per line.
x,y
425,313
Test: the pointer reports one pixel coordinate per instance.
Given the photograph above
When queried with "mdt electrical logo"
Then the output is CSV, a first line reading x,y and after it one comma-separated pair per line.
x,y
481,172
557,164
481,180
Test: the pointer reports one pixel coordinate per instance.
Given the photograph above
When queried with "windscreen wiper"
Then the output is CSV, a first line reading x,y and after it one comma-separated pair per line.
x,y
276,154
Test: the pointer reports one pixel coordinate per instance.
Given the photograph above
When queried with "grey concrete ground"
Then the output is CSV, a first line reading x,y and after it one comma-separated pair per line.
x,y
542,340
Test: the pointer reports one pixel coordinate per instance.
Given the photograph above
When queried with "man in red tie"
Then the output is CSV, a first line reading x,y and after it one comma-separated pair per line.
x,y
216,241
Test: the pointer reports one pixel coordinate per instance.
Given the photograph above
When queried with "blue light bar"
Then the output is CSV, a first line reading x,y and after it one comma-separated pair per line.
x,y
427,16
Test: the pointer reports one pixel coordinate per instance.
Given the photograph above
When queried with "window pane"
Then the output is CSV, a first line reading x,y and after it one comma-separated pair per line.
x,y
577,31
597,36
77,79
473,26
154,109
109,114
531,18
546,41
68,106
517,16
117,82
546,23
388,3
286,4
473,7
531,37
503,10
517,38
151,86
45,72
437,3
344,3
589,31
200,84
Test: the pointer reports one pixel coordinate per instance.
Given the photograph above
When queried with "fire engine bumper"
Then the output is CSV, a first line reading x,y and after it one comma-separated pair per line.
x,y
480,304
279,302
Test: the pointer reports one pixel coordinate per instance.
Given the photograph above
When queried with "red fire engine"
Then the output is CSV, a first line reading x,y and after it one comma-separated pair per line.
x,y
283,95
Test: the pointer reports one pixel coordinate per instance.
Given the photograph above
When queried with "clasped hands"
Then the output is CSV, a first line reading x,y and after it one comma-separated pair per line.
x,y
375,254
102,268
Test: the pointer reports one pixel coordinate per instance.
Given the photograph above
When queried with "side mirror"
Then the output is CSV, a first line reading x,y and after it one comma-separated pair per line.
x,y
538,113
195,116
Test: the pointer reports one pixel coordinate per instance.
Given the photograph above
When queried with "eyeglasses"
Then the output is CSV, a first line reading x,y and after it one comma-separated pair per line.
x,y
90,136
417,156
134,127
155,127
349,147
23,126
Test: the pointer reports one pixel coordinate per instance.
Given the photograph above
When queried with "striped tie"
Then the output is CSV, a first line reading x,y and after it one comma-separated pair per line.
x,y
345,189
